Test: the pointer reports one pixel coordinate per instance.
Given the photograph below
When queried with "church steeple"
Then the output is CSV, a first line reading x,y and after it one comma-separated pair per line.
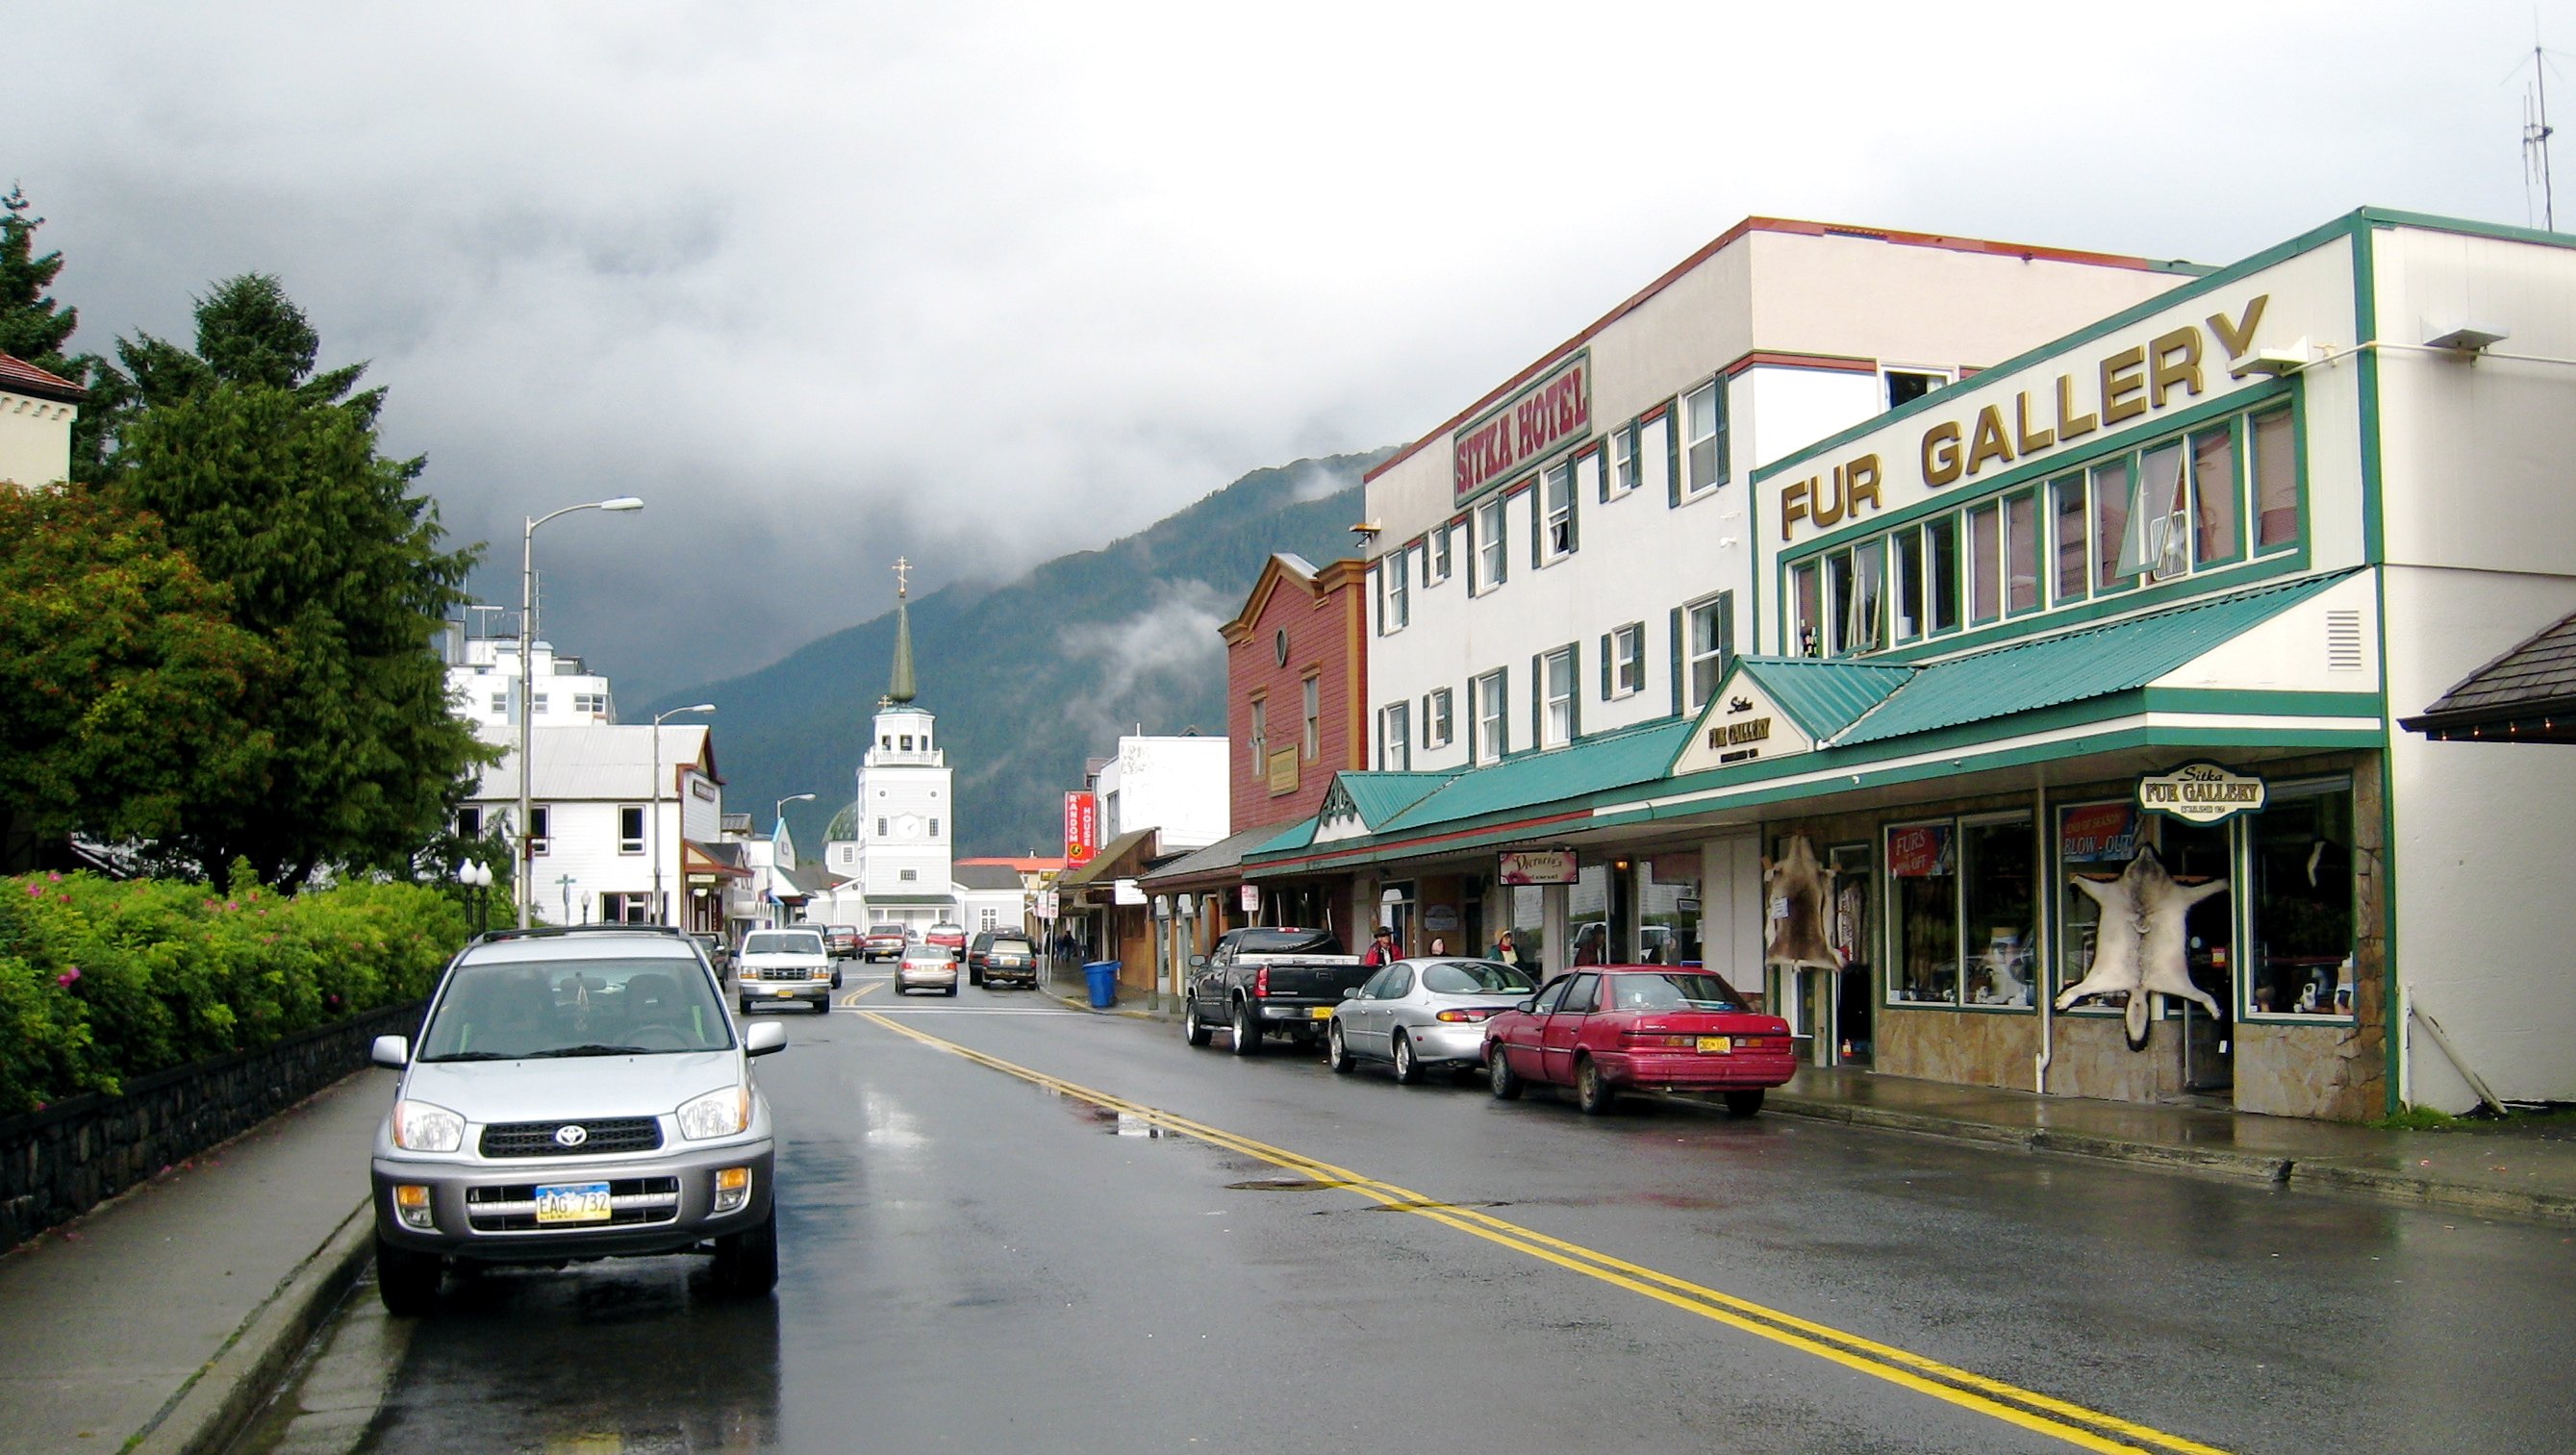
x,y
901,689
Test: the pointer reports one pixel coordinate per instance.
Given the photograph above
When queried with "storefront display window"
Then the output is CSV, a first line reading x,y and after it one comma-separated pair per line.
x,y
2094,840
2215,494
2302,929
1923,863
2097,841
1995,909
2276,481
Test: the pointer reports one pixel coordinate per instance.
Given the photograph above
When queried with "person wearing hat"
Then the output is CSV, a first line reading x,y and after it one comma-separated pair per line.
x,y
1382,950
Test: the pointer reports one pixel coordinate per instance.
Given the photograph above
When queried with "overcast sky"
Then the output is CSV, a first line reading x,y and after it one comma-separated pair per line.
x,y
982,283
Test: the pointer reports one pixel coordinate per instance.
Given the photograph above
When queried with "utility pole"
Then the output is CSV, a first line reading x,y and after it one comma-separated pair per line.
x,y
522,889
661,916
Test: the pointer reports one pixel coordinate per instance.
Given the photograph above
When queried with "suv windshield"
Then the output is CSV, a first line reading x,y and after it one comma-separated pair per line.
x,y
513,1009
1289,942
1475,977
1673,992
782,942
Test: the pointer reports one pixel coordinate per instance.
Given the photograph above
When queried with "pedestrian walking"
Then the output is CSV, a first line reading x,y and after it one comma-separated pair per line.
x,y
1382,951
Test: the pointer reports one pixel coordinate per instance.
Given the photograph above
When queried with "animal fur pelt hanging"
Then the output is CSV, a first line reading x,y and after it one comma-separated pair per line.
x,y
1799,937
2141,946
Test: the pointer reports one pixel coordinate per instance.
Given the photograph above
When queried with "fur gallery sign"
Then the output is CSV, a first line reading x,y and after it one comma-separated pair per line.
x,y
2201,793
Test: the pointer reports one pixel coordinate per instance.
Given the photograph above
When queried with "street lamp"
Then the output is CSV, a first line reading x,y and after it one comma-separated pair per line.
x,y
777,818
476,877
527,684
661,915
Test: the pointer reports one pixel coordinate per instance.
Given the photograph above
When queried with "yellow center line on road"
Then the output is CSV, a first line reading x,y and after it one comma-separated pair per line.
x,y
869,989
2075,1424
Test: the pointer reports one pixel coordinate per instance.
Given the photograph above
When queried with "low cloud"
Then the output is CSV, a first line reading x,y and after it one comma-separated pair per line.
x,y
1173,639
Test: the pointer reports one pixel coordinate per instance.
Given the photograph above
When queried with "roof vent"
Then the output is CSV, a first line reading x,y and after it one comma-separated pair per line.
x,y
2343,641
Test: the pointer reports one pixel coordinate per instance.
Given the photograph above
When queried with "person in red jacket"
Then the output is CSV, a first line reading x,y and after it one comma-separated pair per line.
x,y
1382,950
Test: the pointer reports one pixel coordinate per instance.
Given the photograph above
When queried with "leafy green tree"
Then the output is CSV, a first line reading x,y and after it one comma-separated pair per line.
x,y
267,475
122,679
34,328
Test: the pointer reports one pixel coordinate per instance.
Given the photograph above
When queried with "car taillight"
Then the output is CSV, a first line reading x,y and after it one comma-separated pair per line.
x,y
1261,981
1470,1015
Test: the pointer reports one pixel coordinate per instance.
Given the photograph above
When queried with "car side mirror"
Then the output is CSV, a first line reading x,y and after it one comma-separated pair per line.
x,y
1528,1007
1350,992
764,1038
392,1052
1198,962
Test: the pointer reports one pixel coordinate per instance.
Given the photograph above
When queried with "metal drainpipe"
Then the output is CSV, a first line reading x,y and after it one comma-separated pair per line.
x,y
2040,957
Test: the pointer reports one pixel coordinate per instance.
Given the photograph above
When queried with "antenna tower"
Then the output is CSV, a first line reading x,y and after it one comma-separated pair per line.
x,y
2535,140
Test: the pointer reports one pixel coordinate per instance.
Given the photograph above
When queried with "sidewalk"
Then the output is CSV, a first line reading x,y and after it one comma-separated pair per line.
x,y
2502,1172
153,1322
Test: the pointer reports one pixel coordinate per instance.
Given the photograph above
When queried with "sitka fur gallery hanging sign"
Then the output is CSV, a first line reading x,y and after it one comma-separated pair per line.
x,y
2201,793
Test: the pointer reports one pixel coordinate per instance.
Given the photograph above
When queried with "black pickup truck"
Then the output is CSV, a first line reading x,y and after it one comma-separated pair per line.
x,y
1269,982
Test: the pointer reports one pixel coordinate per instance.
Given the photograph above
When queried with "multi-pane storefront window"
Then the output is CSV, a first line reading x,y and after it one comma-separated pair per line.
x,y
1963,911
2301,865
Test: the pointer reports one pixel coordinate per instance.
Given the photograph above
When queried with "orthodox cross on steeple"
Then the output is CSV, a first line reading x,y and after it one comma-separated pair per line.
x,y
900,690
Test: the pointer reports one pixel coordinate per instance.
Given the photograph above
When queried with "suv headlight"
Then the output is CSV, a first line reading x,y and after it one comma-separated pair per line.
x,y
716,1114
421,1127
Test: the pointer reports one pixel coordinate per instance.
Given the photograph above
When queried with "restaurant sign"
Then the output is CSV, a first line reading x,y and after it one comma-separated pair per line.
x,y
2201,793
1538,866
1554,411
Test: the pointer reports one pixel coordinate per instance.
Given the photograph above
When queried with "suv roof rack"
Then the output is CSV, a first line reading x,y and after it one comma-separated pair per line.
x,y
551,931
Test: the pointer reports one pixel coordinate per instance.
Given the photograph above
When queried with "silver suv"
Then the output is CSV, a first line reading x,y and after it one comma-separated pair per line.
x,y
576,1093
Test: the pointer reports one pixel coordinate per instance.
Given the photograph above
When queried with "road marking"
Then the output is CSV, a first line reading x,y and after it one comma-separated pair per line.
x,y
2077,1425
853,997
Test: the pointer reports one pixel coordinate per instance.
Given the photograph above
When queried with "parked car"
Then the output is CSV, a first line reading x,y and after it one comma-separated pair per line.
x,y
1271,981
1422,1014
719,954
576,1093
925,967
885,942
788,964
947,936
842,940
1614,1028
1002,957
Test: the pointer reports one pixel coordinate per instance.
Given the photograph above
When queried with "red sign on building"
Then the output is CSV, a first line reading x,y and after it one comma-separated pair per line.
x,y
1554,411
1081,828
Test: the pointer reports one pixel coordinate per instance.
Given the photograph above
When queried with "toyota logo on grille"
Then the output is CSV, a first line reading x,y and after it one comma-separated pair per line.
x,y
571,1135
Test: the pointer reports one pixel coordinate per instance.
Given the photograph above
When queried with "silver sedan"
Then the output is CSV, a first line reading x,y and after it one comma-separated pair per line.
x,y
1417,1014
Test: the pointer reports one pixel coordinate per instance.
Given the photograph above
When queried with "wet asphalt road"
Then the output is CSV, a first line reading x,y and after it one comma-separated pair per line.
x,y
972,1262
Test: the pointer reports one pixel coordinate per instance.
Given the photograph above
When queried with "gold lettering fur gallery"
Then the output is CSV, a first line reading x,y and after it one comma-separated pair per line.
x,y
2140,948
2119,388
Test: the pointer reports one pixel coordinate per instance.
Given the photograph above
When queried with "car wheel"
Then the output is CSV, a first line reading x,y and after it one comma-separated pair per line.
x,y
1744,1103
1592,1090
1247,1030
744,1005
1336,1054
1500,1079
1408,1067
836,977
1193,1030
407,1281
952,989
747,1262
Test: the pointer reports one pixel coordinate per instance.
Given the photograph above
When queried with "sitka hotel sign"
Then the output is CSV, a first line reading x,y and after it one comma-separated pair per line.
x,y
1555,410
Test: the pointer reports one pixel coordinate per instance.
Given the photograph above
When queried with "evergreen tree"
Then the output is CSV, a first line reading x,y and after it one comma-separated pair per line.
x,y
34,329
267,475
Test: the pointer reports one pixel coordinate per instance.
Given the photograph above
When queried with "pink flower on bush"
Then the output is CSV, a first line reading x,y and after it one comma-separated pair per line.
x,y
70,974
35,890
232,904
56,878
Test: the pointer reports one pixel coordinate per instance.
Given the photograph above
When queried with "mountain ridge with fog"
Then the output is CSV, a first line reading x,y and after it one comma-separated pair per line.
x,y
1030,677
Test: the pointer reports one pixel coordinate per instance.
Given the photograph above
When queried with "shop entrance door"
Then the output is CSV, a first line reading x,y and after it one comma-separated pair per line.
x,y
1847,921
2193,854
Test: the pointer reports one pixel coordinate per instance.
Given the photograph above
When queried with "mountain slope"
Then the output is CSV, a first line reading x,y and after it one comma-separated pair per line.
x,y
1031,677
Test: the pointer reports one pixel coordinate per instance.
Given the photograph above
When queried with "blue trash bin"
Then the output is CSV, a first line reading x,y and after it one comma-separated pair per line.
x,y
1102,977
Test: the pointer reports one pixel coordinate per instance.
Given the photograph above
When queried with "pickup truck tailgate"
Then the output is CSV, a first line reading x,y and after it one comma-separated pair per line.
x,y
1303,981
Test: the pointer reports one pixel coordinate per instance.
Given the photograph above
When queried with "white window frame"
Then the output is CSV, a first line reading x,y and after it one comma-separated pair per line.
x,y
1395,738
1624,472
1395,592
643,822
1311,698
1555,689
1260,736
1436,559
1439,718
1556,512
1715,609
1714,392
1627,660
1490,716
1655,452
1490,536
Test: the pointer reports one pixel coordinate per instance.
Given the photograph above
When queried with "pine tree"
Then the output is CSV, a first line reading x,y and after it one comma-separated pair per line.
x,y
34,329
267,475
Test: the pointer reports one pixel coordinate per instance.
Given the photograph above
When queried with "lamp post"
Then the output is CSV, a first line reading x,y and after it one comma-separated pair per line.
x,y
661,915
527,685
476,877
777,819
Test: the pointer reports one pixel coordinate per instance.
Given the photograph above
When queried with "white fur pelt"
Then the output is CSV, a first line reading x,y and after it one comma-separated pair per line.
x,y
2141,945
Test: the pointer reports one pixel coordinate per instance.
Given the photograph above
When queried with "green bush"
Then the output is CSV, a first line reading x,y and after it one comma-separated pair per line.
x,y
101,980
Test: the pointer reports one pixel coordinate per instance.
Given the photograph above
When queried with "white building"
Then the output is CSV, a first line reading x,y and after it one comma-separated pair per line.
x,y
36,414
599,847
1176,784
483,680
899,855
1574,552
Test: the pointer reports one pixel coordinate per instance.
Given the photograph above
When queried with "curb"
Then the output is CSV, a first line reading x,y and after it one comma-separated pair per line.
x,y
218,1400
2318,1176
1087,1008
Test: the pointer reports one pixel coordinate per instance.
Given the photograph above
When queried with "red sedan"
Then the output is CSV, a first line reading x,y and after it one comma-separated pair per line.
x,y
1612,1028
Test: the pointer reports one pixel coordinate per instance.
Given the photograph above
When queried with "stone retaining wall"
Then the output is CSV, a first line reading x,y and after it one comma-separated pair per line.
x,y
60,1162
